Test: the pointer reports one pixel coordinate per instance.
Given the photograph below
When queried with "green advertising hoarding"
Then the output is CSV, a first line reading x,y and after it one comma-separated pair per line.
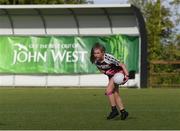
x,y
63,54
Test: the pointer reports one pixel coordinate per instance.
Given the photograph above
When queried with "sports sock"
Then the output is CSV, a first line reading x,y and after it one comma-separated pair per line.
x,y
123,110
113,108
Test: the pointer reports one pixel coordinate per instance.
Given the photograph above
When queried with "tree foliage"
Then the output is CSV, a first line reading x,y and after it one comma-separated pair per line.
x,y
163,35
160,27
176,11
4,2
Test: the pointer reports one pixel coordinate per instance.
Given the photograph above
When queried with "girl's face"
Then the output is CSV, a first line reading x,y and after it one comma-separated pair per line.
x,y
98,54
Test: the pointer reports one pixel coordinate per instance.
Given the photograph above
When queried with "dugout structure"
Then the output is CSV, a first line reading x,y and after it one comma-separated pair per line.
x,y
73,20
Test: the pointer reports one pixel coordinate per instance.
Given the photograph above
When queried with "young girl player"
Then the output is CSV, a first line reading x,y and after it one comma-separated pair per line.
x,y
108,65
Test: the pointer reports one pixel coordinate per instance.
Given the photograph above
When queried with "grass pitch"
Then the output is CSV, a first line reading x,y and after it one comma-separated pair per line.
x,y
86,109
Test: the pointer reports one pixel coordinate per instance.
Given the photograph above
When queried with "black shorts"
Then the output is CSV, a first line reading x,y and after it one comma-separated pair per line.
x,y
110,76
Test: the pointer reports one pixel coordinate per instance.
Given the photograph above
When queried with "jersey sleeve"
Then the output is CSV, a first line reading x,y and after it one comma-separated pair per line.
x,y
111,59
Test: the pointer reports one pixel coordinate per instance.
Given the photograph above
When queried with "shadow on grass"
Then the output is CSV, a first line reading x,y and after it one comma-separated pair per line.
x,y
2,124
129,118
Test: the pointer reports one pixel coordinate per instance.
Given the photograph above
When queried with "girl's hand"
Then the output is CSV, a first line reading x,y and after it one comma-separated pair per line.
x,y
126,78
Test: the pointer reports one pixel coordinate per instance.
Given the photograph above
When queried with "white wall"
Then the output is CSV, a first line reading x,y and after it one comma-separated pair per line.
x,y
97,80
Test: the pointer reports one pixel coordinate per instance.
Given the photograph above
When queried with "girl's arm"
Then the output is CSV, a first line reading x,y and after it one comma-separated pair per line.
x,y
126,73
124,69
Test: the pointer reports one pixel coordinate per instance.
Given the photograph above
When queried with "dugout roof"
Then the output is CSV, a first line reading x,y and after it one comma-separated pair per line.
x,y
76,20
68,20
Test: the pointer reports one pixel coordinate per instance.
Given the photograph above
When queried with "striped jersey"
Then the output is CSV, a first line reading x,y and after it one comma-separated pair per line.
x,y
109,65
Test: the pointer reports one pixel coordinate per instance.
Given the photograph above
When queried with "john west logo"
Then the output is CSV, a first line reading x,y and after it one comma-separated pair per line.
x,y
56,52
